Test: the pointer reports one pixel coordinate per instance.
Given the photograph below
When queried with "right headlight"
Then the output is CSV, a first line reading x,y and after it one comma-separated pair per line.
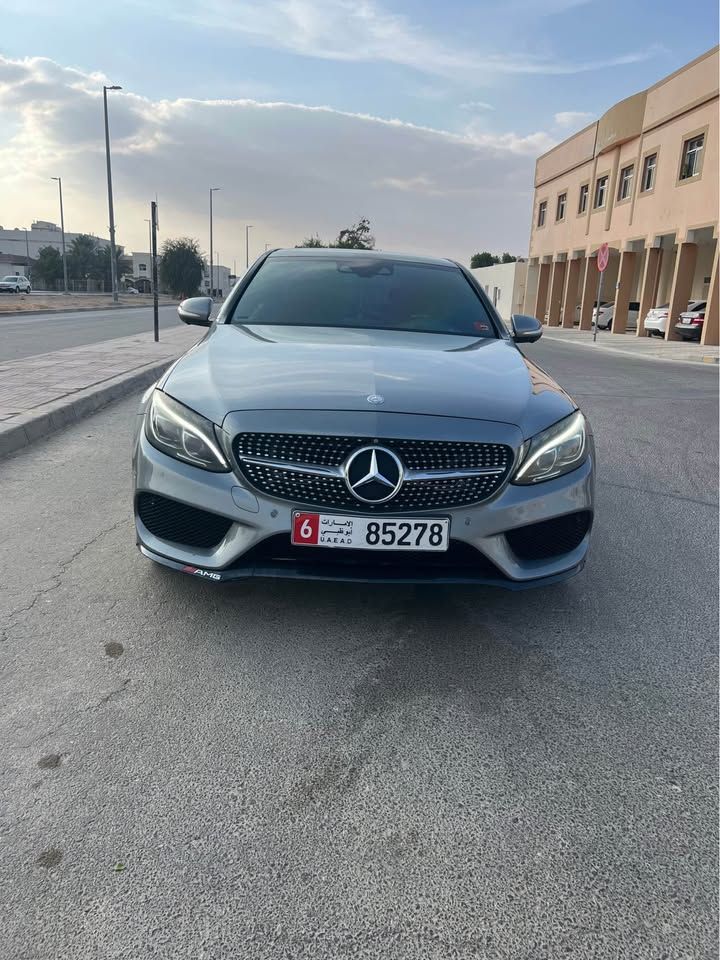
x,y
183,434
557,450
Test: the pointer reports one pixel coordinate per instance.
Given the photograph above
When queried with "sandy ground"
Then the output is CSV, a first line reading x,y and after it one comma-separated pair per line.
x,y
22,303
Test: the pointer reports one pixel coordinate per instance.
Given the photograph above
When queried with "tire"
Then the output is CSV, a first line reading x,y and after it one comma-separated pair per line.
x,y
17,289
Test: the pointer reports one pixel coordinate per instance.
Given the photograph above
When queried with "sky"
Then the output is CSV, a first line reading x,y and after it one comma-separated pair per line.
x,y
425,117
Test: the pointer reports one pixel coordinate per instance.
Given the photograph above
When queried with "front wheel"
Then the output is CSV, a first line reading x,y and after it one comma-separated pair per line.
x,y
17,289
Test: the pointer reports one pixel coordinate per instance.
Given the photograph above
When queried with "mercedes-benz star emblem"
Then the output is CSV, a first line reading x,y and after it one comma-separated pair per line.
x,y
376,398
373,474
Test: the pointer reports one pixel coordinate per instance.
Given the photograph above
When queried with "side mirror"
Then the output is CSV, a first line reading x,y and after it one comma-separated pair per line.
x,y
525,329
196,310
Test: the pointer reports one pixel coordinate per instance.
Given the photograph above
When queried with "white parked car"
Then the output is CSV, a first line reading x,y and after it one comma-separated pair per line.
x,y
14,283
657,319
607,312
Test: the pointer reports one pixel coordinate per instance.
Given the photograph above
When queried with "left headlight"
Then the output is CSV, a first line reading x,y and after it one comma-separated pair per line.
x,y
557,450
183,434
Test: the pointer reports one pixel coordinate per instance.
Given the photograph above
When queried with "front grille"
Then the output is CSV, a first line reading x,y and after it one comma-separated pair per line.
x,y
180,523
287,483
549,538
459,561
331,451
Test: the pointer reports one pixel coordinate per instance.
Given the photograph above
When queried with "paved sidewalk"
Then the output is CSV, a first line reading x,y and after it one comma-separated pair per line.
x,y
40,394
645,348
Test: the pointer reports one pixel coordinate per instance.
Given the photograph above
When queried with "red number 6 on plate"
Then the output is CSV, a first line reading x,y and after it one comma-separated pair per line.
x,y
306,528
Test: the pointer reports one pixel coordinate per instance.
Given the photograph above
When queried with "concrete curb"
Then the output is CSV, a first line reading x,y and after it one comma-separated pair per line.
x,y
24,430
18,314
702,360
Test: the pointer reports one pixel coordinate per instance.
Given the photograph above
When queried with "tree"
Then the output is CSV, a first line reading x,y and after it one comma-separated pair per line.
x,y
48,267
311,241
356,237
101,268
508,258
181,266
483,259
82,258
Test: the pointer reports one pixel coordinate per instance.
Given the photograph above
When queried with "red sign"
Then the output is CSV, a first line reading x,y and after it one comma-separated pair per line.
x,y
603,255
306,528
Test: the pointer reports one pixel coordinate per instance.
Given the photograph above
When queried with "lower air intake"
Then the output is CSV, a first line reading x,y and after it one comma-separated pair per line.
x,y
170,520
549,538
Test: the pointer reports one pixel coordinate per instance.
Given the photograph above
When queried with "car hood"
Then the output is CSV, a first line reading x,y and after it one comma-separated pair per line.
x,y
241,368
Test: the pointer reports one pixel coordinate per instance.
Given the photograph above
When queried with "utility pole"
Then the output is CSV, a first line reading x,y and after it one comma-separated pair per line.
x,y
149,223
248,228
212,288
62,228
27,255
113,263
153,256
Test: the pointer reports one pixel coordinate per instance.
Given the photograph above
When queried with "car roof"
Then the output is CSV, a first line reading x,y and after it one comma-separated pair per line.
x,y
336,253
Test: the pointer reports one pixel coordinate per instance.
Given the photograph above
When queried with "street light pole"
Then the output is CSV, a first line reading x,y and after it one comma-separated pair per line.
x,y
113,264
149,223
62,228
248,228
212,191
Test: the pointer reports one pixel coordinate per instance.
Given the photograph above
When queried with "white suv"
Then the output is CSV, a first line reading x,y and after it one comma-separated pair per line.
x,y
15,284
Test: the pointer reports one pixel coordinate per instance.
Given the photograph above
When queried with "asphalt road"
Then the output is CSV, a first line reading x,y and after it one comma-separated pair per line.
x,y
271,770
27,336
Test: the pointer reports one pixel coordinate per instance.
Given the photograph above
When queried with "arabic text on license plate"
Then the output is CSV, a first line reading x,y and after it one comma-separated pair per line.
x,y
369,533
687,319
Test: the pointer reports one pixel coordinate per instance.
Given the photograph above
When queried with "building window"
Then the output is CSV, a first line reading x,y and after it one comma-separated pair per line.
x,y
542,212
142,268
600,192
649,168
691,158
584,191
561,204
626,179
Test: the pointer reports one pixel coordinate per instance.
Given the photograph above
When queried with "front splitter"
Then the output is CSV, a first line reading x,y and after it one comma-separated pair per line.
x,y
360,574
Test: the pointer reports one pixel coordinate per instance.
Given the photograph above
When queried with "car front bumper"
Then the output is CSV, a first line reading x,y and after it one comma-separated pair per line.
x,y
478,532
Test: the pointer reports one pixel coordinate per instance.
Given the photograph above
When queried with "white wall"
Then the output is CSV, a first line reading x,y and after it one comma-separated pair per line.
x,y
510,280
221,279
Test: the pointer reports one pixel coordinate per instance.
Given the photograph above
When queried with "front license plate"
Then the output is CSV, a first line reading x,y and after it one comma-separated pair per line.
x,y
369,533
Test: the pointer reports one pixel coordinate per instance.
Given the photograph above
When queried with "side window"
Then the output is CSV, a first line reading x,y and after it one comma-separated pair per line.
x,y
691,163
648,176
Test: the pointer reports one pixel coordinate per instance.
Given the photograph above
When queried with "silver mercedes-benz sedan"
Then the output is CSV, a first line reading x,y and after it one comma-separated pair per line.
x,y
358,415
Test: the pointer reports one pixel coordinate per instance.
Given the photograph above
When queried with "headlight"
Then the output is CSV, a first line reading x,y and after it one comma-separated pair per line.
x,y
557,450
181,433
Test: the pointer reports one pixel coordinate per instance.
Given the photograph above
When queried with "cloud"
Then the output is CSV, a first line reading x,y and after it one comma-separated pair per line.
x,y
290,169
572,118
363,31
476,105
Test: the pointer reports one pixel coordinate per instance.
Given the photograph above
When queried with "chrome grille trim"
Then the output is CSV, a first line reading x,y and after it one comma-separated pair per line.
x,y
315,469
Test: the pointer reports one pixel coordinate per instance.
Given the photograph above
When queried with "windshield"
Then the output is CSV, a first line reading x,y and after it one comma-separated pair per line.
x,y
370,293
9,279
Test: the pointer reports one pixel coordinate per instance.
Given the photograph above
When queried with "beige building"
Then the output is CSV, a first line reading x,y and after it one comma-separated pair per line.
x,y
644,179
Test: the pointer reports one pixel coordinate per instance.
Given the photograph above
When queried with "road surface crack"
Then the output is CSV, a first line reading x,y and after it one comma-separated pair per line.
x,y
101,702
56,579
